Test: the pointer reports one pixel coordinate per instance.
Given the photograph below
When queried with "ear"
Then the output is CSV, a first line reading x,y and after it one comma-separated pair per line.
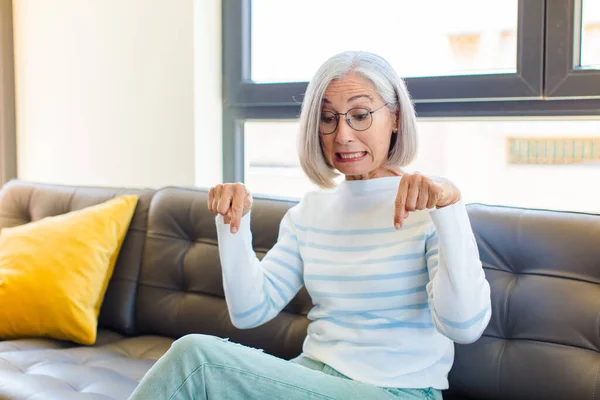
x,y
393,140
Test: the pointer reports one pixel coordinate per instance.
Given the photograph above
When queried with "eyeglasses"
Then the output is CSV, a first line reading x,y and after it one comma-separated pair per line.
x,y
359,119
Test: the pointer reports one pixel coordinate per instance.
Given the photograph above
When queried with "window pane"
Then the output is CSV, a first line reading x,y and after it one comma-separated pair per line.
x,y
271,157
551,164
590,34
417,37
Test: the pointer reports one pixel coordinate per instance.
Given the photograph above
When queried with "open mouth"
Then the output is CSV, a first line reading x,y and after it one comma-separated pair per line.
x,y
349,157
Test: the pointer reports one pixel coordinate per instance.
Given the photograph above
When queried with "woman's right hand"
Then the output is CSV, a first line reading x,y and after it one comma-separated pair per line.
x,y
232,201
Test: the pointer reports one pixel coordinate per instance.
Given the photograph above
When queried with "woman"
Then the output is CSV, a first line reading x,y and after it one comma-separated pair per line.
x,y
387,256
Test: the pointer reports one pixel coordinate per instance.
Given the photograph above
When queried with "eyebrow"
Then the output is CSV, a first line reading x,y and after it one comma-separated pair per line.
x,y
358,96
355,97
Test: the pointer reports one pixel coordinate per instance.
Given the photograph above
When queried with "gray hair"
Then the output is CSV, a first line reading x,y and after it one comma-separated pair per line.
x,y
390,87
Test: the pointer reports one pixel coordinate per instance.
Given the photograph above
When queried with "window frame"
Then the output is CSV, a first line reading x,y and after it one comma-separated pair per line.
x,y
564,77
525,83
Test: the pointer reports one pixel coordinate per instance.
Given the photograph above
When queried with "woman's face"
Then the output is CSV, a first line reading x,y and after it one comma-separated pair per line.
x,y
356,154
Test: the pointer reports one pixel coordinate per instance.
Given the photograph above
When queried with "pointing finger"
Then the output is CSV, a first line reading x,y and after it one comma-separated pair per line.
x,y
237,208
400,203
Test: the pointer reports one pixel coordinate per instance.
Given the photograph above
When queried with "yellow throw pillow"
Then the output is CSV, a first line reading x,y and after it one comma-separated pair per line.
x,y
54,272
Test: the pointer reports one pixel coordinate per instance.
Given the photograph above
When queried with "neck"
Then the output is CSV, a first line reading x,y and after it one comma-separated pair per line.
x,y
378,173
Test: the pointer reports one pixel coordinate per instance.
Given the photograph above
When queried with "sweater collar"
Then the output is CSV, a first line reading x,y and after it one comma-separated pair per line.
x,y
369,185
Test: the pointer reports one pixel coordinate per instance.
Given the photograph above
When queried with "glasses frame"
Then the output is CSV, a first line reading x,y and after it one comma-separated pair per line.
x,y
345,114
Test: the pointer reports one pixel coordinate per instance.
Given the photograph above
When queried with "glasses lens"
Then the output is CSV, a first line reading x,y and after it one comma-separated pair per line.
x,y
328,122
359,118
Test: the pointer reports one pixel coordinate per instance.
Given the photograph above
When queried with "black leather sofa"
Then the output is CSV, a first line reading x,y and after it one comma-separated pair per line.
x,y
543,341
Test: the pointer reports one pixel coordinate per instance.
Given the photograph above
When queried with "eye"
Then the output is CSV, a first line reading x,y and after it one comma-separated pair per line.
x,y
360,115
327,117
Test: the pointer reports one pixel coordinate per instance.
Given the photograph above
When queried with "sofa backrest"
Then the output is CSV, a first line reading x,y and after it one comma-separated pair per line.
x,y
543,341
180,286
22,202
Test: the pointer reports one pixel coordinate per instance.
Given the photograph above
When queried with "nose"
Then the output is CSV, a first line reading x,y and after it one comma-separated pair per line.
x,y
344,134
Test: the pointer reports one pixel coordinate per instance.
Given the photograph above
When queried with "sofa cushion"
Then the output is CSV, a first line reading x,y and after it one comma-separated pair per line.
x,y
67,261
181,289
59,370
23,202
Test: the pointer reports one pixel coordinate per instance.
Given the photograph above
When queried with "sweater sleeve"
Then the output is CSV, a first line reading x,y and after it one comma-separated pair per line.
x,y
459,294
256,291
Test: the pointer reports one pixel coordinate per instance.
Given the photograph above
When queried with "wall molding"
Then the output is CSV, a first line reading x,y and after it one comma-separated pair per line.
x,y
553,150
8,137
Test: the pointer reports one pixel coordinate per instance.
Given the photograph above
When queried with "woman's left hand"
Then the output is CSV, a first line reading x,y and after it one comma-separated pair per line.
x,y
420,192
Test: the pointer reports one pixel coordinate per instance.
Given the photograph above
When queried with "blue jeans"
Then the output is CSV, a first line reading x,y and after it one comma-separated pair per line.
x,y
207,367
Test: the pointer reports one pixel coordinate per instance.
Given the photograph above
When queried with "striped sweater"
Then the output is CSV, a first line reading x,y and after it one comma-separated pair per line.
x,y
387,304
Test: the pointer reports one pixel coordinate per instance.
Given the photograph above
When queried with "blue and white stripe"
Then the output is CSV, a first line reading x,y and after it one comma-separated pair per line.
x,y
387,302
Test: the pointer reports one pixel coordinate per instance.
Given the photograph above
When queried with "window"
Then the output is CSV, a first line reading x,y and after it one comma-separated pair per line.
x,y
497,79
481,156
480,38
274,169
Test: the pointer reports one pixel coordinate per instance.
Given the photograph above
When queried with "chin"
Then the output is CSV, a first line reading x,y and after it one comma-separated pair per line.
x,y
352,170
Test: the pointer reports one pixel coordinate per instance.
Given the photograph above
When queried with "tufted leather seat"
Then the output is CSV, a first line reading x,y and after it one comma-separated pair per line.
x,y
543,341
38,369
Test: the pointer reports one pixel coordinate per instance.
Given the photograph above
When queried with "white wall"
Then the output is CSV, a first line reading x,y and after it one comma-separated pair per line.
x,y
208,97
105,91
